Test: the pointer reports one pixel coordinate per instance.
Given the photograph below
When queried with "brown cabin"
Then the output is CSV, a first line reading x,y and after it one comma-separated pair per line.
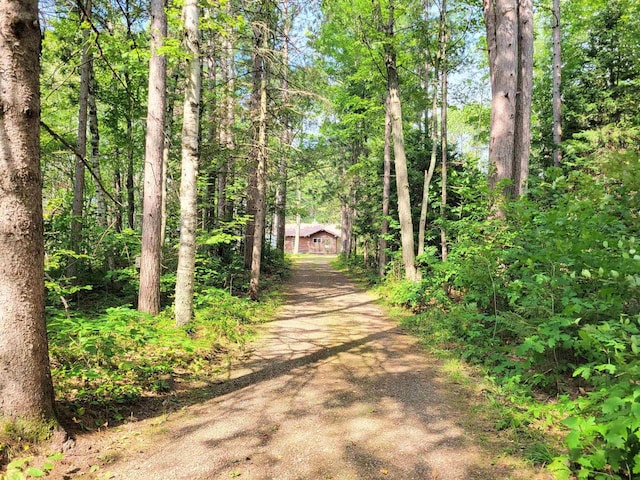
x,y
314,238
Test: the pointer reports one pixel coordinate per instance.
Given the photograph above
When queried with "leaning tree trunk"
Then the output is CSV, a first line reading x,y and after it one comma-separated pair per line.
x,y
151,255
188,183
557,76
26,390
400,158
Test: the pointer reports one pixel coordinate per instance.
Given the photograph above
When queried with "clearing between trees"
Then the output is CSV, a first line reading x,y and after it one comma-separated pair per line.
x,y
332,389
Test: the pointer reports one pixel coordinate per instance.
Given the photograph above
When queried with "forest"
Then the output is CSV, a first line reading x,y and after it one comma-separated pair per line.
x,y
480,159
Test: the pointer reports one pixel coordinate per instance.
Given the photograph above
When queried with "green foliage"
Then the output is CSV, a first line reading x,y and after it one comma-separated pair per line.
x,y
104,363
20,468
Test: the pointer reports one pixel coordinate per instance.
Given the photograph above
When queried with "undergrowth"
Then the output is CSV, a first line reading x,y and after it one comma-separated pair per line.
x,y
545,303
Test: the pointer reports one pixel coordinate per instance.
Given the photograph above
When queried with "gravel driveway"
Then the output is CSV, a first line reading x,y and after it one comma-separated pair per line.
x,y
332,390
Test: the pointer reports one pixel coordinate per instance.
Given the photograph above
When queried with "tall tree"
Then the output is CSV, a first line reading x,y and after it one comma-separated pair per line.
x,y
386,193
258,153
151,254
557,77
26,390
444,35
84,17
509,25
399,155
188,182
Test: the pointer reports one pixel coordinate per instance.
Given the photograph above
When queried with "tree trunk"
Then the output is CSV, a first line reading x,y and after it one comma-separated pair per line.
x,y
400,159
428,174
166,151
26,390
188,183
522,148
151,254
259,149
386,191
131,197
443,126
509,26
296,240
101,207
254,156
84,12
557,76
287,137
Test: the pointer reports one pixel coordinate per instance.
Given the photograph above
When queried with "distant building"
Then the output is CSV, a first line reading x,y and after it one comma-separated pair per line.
x,y
314,238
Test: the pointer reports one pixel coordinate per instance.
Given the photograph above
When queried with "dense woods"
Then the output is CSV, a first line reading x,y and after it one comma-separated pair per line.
x,y
481,160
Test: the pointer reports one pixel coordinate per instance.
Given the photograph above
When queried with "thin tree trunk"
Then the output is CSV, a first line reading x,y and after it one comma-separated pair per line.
x,y
428,174
522,147
386,191
131,198
166,151
260,149
188,183
557,77
225,204
117,187
26,390
287,137
79,182
400,159
254,157
151,254
443,127
296,240
101,207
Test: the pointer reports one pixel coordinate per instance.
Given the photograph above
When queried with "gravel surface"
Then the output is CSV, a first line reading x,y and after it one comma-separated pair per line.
x,y
332,390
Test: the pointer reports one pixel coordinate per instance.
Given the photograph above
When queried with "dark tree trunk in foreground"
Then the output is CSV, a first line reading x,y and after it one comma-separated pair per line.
x,y
25,380
151,254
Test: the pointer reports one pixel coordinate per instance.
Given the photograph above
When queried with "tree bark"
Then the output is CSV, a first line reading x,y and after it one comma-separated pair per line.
x,y
101,207
151,254
26,390
259,150
287,136
443,126
188,183
509,25
400,159
84,12
386,193
557,77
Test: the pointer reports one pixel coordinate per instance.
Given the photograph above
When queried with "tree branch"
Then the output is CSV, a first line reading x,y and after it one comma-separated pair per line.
x,y
73,149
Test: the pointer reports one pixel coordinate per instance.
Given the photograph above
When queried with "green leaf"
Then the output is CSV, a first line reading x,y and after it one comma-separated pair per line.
x,y
573,439
612,404
35,472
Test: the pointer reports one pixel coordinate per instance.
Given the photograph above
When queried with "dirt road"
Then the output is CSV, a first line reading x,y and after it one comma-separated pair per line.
x,y
332,390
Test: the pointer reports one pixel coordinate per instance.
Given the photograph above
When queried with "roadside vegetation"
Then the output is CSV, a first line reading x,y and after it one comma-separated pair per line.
x,y
546,306
112,364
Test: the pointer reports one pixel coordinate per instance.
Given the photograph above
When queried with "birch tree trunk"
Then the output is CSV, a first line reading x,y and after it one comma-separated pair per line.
x,y
151,254
26,390
188,182
400,159
557,77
